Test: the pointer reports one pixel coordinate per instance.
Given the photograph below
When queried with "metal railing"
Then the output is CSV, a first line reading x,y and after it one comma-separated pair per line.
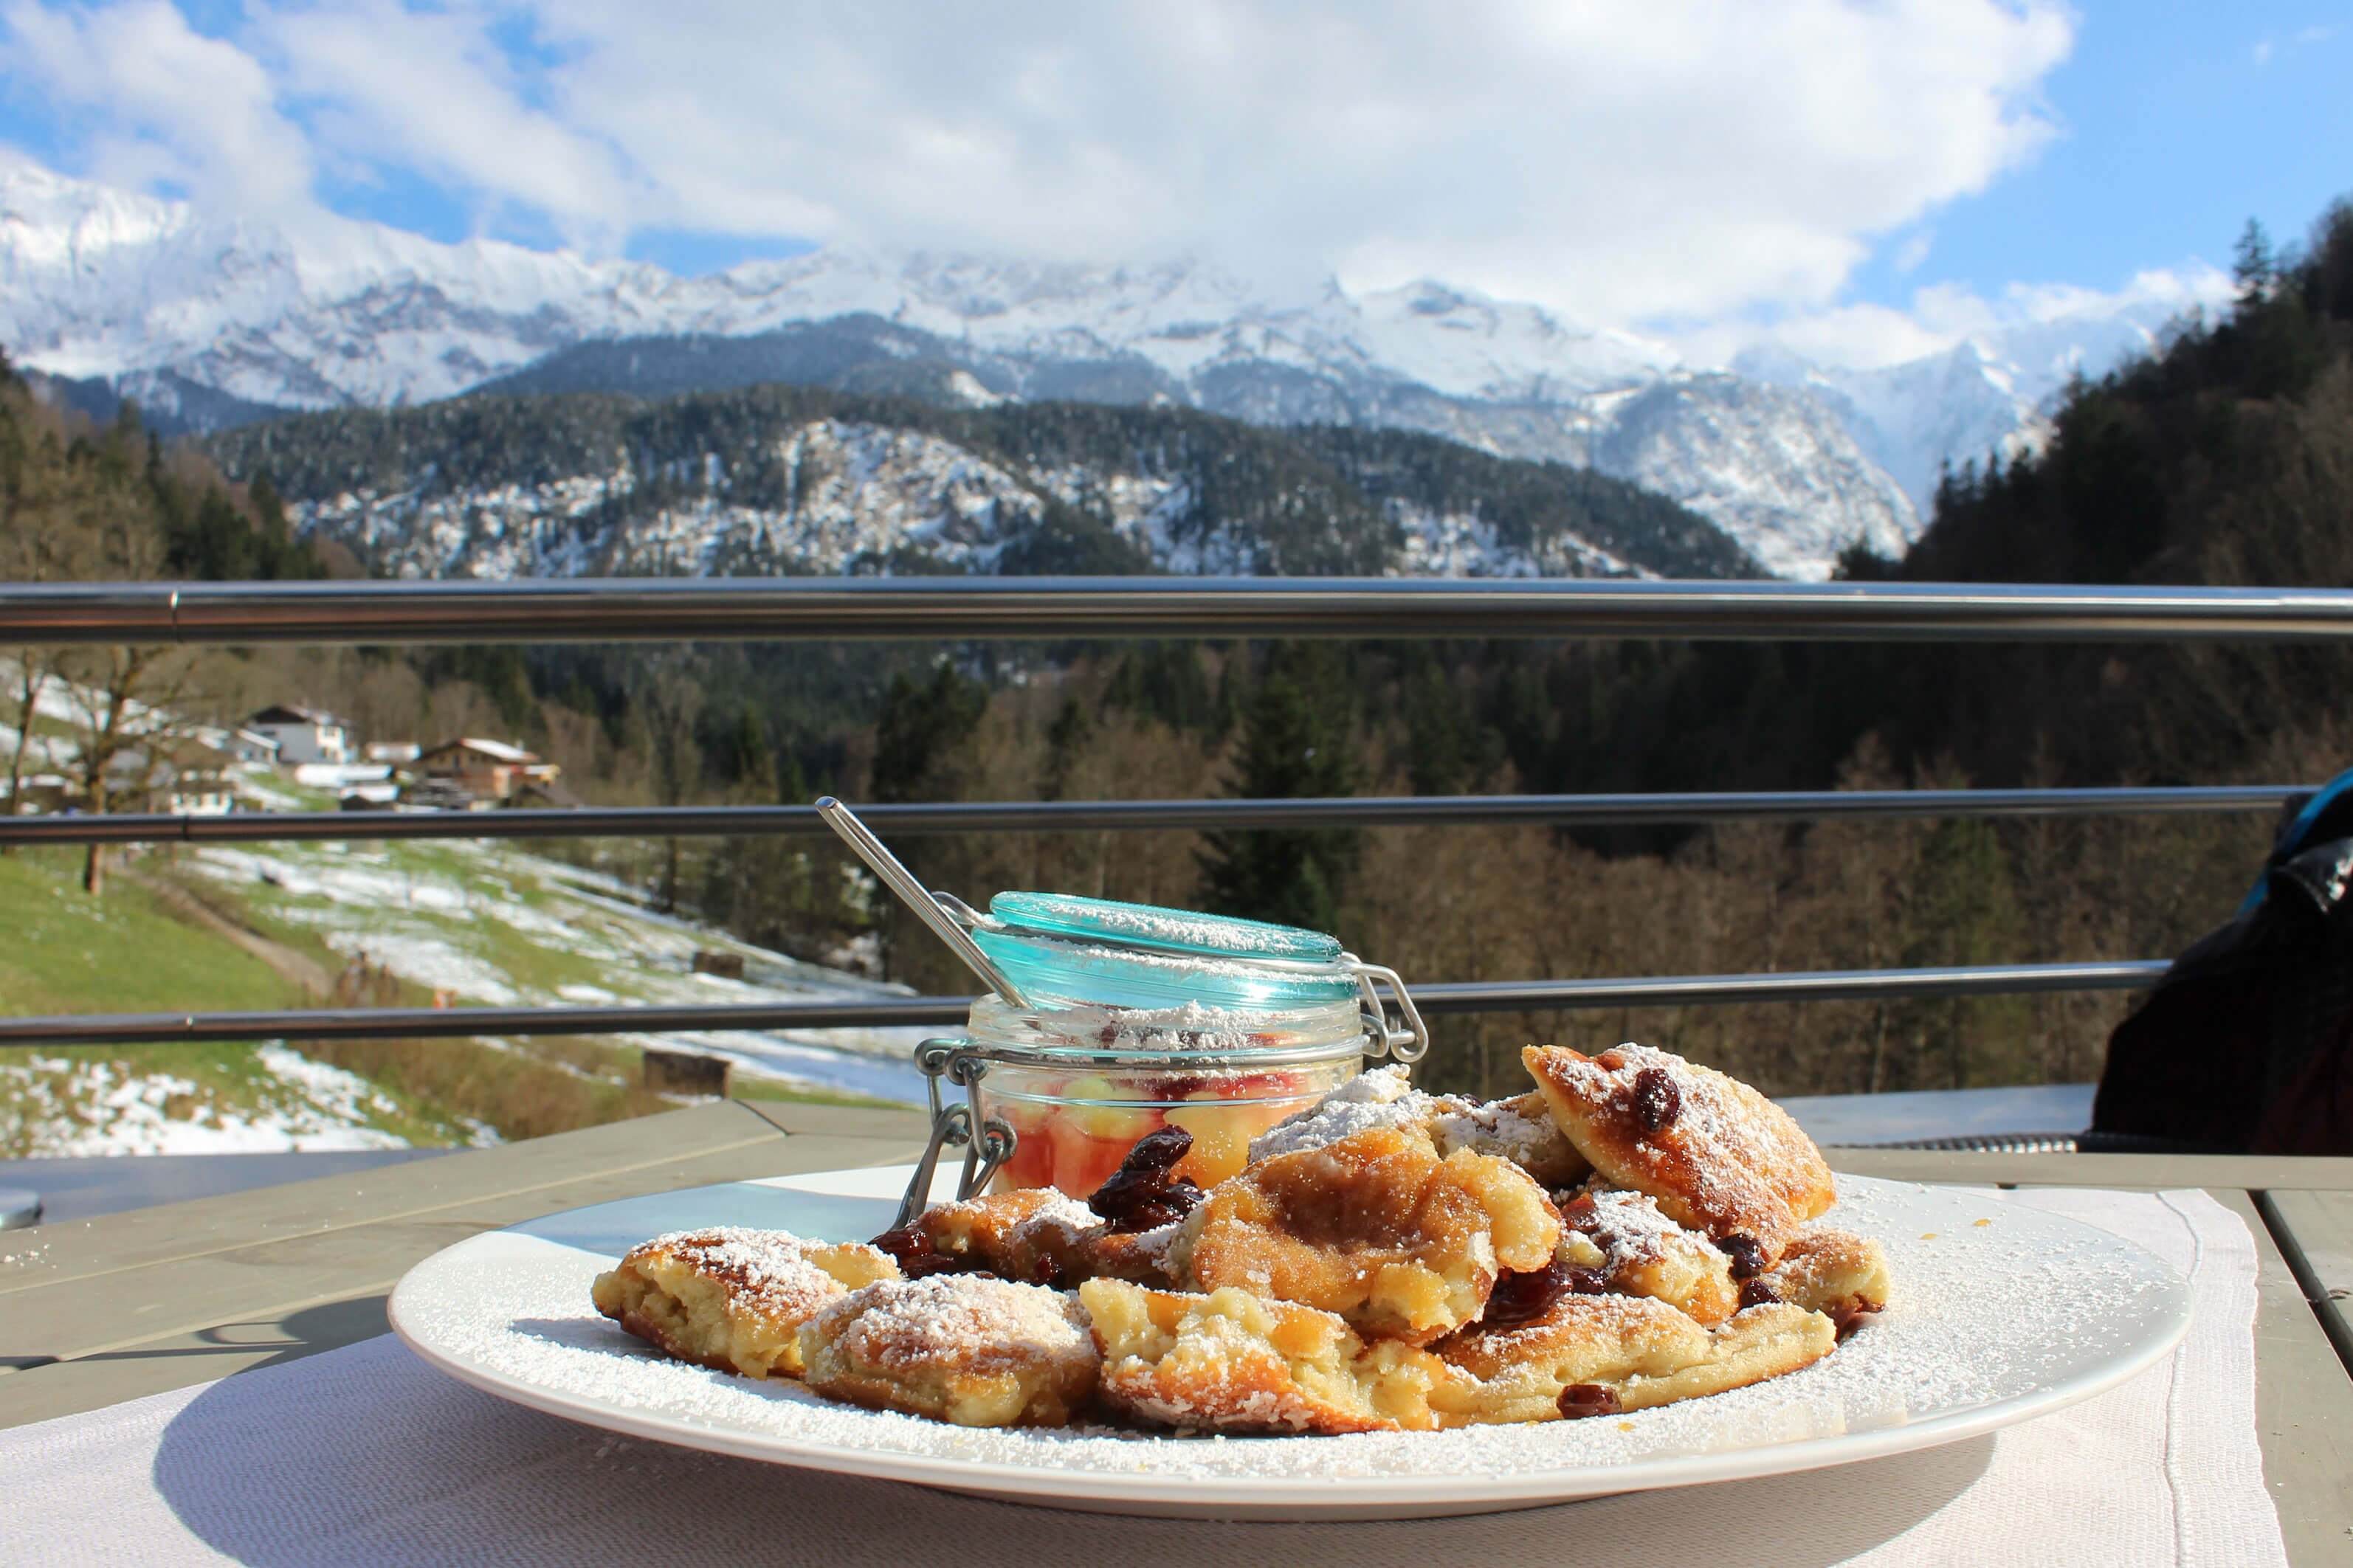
x,y
907,821
926,1012
1029,609
961,609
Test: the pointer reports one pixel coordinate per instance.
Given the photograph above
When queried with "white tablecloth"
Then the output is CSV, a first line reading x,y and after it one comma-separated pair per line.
x,y
365,1456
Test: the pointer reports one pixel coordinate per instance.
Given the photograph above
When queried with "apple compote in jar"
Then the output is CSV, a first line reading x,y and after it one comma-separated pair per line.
x,y
1137,1018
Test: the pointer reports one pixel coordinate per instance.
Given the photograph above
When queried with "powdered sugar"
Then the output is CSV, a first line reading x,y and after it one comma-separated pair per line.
x,y
1980,1314
1382,1098
966,1321
771,1270
1722,1157
1630,1228
1499,1127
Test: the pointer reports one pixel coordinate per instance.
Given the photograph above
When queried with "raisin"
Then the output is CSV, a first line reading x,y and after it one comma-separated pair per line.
x,y
1589,1282
1579,1400
1757,1293
1144,1193
1847,1316
1748,1258
1520,1298
1579,1211
915,1256
1657,1100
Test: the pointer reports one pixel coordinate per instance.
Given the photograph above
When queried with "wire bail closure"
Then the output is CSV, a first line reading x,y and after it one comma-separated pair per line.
x,y
952,1127
1409,1044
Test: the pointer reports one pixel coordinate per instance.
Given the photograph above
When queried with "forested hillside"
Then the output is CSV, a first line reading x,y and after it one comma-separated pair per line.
x,y
776,478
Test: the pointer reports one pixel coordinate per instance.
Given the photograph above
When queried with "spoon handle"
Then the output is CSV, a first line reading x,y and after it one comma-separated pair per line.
x,y
916,896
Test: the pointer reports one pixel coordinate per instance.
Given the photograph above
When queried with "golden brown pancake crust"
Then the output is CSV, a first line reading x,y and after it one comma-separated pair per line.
x,y
962,1348
730,1299
1716,1155
1375,1228
1230,1362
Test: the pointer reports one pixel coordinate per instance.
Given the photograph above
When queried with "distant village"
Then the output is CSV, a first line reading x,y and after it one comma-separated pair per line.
x,y
188,773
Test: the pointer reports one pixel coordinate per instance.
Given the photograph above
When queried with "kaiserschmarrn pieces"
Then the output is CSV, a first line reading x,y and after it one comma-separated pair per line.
x,y
1376,1227
978,1232
1041,1237
1520,1130
1638,1251
729,1299
1760,1342
1835,1272
1632,1233
1232,1362
1718,1156
1600,1354
963,1348
1518,1370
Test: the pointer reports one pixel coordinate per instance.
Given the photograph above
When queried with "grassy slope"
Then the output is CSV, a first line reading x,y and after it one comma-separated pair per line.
x,y
65,951
491,913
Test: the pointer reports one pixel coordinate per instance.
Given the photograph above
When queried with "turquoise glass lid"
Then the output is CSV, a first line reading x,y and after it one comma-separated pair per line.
x,y
1063,948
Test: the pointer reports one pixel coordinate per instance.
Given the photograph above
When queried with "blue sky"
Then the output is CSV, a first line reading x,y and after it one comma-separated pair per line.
x,y
1685,162
2180,120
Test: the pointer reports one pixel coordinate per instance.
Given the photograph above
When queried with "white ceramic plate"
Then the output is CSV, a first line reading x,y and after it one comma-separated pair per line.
x,y
2001,1313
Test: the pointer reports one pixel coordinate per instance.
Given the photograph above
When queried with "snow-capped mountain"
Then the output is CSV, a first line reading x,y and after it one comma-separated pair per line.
x,y
222,319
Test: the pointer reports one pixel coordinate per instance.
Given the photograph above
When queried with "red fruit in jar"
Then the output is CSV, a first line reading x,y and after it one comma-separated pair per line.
x,y
1032,1163
1081,1161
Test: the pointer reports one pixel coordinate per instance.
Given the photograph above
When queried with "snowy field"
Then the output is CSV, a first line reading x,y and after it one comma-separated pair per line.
x,y
75,1106
483,923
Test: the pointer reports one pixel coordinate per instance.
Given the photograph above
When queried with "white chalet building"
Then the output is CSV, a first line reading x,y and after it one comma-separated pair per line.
x,y
304,736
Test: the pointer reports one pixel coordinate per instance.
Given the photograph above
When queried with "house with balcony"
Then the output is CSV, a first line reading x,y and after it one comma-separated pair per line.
x,y
303,735
485,770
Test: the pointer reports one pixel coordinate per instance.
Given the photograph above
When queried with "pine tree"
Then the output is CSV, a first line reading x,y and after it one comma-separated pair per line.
x,y
1294,744
2254,267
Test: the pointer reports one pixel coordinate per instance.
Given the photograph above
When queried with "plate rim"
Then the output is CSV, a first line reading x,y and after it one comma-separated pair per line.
x,y
1286,1496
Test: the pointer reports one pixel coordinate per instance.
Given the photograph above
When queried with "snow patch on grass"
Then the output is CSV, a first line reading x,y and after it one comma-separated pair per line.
x,y
68,1106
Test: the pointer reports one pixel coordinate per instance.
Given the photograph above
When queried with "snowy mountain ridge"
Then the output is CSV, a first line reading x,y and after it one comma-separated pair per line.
x,y
223,319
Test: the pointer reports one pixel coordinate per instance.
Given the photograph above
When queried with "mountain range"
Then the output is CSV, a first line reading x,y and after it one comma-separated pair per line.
x,y
213,321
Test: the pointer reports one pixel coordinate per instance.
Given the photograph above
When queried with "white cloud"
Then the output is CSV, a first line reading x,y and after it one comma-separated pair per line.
x,y
174,107
429,92
1678,158
2268,46
2016,324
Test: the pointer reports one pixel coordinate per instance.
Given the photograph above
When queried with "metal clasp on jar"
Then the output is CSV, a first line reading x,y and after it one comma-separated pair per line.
x,y
952,1126
1407,1045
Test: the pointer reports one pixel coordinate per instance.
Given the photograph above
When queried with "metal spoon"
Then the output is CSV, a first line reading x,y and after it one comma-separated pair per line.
x,y
932,908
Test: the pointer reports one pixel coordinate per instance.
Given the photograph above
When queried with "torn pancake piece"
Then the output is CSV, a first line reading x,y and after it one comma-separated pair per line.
x,y
1376,1227
1760,1342
962,1348
1716,1155
733,1298
1639,1251
1232,1362
1518,1370
1834,1272
1520,1130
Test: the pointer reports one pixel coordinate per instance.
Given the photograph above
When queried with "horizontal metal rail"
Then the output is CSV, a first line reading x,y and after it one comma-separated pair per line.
x,y
1097,816
611,609
924,1011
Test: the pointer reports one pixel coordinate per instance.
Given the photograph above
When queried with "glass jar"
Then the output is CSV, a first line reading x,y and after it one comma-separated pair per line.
x,y
1134,1017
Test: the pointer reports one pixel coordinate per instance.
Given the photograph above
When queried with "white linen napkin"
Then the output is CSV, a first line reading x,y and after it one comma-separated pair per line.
x,y
366,1457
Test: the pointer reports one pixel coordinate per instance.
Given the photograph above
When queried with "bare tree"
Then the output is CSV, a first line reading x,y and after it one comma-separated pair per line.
x,y
127,702
43,539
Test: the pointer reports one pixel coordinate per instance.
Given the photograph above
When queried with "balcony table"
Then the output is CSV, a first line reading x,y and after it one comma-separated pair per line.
x,y
137,1303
